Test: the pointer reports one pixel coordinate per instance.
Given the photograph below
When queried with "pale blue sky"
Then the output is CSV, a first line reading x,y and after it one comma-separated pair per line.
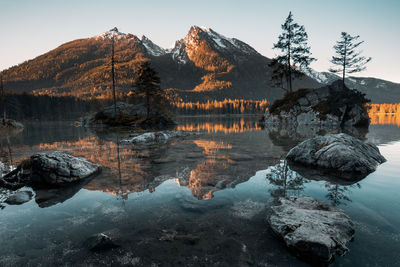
x,y
32,27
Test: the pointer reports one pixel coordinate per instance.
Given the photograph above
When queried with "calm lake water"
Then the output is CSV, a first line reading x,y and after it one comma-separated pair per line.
x,y
197,201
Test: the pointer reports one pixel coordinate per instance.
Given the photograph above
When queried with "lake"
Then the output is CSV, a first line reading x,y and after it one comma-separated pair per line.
x,y
202,200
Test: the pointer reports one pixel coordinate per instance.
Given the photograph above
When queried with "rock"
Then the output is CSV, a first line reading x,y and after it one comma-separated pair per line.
x,y
10,124
156,137
332,105
312,229
19,198
341,153
54,169
100,242
4,169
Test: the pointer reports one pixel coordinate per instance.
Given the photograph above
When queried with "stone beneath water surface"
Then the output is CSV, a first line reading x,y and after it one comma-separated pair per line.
x,y
19,198
100,242
341,153
313,230
156,137
53,169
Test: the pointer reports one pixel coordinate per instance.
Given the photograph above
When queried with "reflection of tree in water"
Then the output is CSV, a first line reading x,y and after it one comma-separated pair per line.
x,y
339,194
285,181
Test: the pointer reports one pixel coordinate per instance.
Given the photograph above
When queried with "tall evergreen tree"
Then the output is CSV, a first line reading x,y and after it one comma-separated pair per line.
x,y
148,82
347,58
295,53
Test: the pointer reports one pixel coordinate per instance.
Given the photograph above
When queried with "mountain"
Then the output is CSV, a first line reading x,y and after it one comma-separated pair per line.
x,y
203,65
378,90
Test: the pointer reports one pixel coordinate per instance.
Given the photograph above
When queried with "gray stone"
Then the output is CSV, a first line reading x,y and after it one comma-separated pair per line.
x,y
50,169
19,198
338,152
312,229
100,242
157,137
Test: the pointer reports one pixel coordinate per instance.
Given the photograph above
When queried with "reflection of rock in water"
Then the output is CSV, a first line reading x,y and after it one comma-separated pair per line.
x,y
286,182
288,137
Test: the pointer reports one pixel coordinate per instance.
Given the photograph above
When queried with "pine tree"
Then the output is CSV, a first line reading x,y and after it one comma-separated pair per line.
x,y
347,58
148,82
295,53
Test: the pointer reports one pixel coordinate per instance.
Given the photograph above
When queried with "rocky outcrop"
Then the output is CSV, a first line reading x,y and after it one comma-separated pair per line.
x,y
9,124
127,115
332,105
53,169
4,169
156,137
313,230
340,153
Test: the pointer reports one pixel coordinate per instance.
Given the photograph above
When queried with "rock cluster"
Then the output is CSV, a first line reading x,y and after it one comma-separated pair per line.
x,y
312,229
337,152
332,105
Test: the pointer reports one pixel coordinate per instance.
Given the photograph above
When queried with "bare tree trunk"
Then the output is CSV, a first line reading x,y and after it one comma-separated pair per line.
x,y
344,63
113,77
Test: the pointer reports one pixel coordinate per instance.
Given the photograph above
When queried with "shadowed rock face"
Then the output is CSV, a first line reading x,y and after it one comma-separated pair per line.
x,y
340,153
312,229
50,170
332,105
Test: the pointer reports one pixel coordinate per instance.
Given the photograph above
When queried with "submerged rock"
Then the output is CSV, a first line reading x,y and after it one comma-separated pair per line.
x,y
19,198
100,242
157,137
341,153
53,169
332,105
312,229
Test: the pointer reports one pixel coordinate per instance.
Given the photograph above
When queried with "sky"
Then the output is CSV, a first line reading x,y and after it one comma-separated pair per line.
x,y
30,28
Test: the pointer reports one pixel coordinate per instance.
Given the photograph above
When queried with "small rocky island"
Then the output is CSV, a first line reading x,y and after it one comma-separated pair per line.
x,y
127,115
332,105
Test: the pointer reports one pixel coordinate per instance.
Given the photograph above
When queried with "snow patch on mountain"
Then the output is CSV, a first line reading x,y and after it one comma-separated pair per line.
x,y
112,33
152,48
321,77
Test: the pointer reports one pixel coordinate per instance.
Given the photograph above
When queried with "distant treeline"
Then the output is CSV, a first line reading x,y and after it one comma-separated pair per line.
x,y
384,108
43,107
228,106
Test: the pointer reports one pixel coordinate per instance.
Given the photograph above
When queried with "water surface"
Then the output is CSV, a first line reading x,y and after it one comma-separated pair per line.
x,y
201,200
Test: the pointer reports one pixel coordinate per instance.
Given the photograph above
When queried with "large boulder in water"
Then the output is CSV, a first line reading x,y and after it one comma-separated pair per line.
x,y
332,105
54,169
313,230
340,153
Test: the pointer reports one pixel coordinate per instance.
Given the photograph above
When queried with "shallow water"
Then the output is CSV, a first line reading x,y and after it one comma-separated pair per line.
x,y
202,200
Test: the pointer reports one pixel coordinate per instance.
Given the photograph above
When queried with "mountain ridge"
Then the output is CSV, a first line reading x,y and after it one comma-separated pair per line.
x,y
204,65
